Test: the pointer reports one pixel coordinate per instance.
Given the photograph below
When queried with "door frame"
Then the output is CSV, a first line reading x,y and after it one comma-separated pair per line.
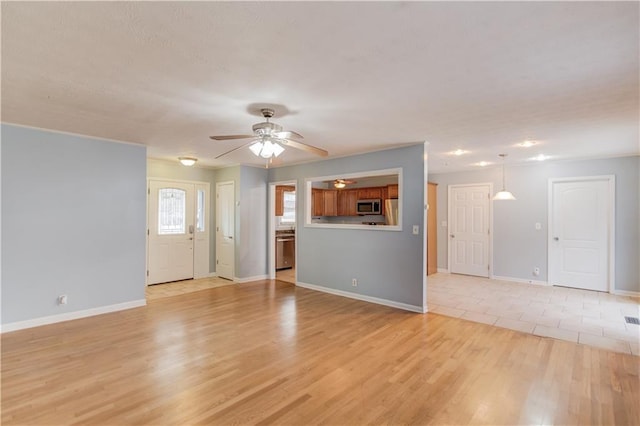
x,y
271,262
490,254
611,225
207,223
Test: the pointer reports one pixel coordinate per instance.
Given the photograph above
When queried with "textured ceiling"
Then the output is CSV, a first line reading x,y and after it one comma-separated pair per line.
x,y
351,77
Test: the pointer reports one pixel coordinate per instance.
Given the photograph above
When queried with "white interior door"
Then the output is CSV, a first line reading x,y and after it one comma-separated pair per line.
x,y
469,229
225,229
171,227
580,216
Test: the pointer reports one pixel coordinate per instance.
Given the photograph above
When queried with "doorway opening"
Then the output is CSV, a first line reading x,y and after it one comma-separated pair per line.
x,y
282,238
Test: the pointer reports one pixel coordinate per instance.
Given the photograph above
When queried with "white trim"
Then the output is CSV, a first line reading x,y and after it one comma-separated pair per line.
x,y
249,279
425,230
611,225
52,319
521,280
626,293
364,298
490,254
443,270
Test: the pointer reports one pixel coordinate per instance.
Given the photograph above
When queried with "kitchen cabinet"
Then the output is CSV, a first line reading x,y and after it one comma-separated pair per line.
x,y
280,190
347,199
392,191
330,198
372,193
317,202
432,228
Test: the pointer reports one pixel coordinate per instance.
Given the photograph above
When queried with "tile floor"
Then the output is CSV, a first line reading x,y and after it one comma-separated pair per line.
x,y
158,291
288,275
587,317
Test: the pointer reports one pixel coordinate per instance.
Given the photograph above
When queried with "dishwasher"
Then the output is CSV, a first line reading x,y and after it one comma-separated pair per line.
x,y
285,250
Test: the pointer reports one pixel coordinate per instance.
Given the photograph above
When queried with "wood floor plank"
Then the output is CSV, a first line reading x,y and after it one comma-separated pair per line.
x,y
271,353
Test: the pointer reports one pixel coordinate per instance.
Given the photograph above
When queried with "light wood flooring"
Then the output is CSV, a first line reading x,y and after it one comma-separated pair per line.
x,y
158,291
287,275
270,353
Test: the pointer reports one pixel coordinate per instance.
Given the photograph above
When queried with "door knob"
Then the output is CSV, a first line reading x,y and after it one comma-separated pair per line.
x,y
556,238
453,236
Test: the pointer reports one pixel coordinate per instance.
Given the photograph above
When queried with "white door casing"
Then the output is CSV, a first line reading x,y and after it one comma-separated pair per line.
x,y
580,241
469,238
170,228
225,229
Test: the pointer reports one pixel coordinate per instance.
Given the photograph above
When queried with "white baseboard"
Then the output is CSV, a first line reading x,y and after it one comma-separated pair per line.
x,y
364,298
520,280
249,279
443,270
52,319
626,293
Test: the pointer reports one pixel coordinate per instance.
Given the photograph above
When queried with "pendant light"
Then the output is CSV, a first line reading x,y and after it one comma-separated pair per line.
x,y
504,194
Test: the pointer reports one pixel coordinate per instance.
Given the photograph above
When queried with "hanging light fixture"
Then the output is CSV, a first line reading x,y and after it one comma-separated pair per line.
x,y
504,194
187,161
266,148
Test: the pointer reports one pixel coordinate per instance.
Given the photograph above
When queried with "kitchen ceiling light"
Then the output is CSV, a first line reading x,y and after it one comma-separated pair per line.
x,y
503,194
527,144
339,184
187,161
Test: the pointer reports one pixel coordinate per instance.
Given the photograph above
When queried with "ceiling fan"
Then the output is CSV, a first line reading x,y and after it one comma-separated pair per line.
x,y
341,183
268,139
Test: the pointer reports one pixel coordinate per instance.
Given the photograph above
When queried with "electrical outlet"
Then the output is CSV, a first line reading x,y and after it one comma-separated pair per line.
x,y
354,282
62,300
536,271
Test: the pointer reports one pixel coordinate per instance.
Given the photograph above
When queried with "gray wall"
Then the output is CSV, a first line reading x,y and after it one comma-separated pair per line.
x,y
518,247
251,254
73,222
176,171
387,264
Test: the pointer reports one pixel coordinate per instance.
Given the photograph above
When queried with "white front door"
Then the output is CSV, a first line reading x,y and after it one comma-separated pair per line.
x,y
580,218
225,229
469,229
171,228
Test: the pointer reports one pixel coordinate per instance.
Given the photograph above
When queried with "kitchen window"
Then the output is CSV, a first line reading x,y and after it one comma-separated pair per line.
x,y
289,212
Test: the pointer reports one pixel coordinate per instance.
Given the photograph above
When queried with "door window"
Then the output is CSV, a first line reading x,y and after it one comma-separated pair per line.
x,y
172,204
200,212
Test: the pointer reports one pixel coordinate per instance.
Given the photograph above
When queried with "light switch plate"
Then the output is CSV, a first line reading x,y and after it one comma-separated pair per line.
x,y
416,229
538,226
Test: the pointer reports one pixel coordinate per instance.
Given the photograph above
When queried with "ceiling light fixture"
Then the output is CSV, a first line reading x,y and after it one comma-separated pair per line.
x,y
339,184
266,148
504,194
459,152
187,161
527,144
540,157
482,164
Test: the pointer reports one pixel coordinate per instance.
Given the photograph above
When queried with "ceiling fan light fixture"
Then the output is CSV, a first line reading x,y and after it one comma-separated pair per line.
x,y
256,148
187,161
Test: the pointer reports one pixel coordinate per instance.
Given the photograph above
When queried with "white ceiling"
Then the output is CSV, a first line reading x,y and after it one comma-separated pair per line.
x,y
351,77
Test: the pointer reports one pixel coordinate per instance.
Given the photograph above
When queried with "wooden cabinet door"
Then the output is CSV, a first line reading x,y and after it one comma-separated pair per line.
x,y
432,229
370,193
392,191
317,202
330,202
347,200
279,201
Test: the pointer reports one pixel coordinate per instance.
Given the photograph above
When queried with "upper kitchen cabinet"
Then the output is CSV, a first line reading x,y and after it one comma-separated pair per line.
x,y
392,191
356,200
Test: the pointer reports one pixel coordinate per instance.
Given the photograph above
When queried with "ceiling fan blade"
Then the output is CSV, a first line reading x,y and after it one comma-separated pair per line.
x,y
229,137
236,148
287,134
304,147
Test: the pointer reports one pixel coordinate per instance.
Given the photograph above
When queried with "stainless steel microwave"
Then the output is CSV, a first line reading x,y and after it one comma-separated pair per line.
x,y
369,207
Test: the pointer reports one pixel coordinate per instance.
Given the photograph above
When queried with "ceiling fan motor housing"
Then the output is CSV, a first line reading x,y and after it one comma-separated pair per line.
x,y
266,128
